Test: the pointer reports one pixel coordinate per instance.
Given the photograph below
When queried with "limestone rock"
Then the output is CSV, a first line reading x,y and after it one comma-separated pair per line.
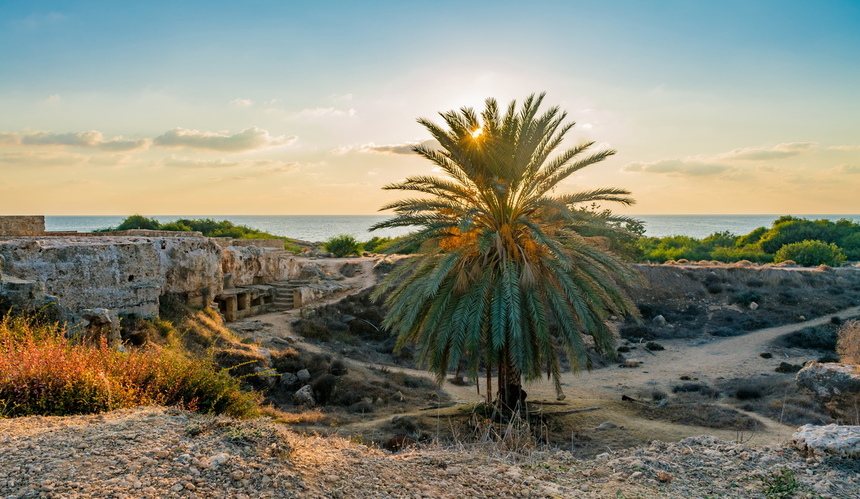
x,y
252,265
837,386
101,323
122,273
303,375
305,396
350,269
289,379
842,441
659,321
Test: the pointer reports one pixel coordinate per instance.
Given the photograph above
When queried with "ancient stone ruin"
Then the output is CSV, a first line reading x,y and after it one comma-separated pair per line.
x,y
133,273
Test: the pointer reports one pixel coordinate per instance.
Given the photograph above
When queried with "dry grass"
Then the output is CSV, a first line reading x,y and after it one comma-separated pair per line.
x,y
44,373
848,344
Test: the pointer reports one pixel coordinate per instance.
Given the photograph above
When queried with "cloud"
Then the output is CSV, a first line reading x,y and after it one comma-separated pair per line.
x,y
847,169
41,158
89,139
247,140
118,144
174,162
724,164
405,148
690,167
53,99
242,102
319,112
844,148
778,151
263,165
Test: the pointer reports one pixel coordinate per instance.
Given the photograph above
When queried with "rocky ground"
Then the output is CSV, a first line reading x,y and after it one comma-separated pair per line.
x,y
161,452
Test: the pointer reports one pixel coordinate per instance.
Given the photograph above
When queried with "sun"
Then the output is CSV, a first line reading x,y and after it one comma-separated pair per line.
x,y
477,133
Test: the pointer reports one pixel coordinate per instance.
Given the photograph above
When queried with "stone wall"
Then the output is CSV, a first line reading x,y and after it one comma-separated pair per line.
x,y
22,225
125,274
254,265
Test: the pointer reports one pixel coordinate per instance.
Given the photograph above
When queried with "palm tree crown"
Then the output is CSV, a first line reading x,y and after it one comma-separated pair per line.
x,y
503,277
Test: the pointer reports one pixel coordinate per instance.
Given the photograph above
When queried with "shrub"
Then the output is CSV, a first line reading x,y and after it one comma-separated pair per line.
x,y
374,243
139,222
342,245
811,253
785,367
700,388
848,344
745,298
653,345
43,373
814,338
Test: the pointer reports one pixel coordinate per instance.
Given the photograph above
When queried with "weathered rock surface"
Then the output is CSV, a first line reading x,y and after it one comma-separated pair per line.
x,y
305,396
837,386
254,265
125,274
842,441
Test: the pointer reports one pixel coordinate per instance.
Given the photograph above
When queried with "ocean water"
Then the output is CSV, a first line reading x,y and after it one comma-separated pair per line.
x,y
322,227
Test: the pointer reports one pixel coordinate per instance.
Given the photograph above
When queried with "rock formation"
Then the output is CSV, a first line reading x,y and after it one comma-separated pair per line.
x,y
834,440
837,386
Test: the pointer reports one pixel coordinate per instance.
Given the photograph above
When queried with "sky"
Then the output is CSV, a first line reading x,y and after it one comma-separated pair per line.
x,y
293,108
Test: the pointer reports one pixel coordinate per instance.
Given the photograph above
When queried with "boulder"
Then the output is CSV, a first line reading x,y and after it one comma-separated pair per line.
x,y
305,396
837,386
101,323
289,379
834,440
303,375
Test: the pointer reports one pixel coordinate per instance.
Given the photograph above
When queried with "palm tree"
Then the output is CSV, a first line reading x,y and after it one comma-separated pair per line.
x,y
503,278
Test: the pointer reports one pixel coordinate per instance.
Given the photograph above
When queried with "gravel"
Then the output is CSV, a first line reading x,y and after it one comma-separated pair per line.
x,y
155,452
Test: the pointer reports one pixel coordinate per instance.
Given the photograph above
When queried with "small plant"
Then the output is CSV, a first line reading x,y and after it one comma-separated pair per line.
x,y
848,344
745,298
342,245
779,483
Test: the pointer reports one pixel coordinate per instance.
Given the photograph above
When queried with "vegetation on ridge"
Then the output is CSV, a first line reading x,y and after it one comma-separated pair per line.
x,y
806,242
207,226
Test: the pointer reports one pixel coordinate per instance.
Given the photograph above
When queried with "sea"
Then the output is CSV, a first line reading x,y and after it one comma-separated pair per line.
x,y
316,228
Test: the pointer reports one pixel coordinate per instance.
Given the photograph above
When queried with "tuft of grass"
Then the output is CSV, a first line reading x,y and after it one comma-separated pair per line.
x,y
44,373
779,483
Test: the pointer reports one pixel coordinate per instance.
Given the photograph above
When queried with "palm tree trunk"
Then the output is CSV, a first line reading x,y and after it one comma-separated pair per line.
x,y
511,395
489,383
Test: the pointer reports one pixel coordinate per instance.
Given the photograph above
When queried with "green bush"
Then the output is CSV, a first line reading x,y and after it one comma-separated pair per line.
x,y
342,245
751,252
375,243
811,253
657,249
139,222
176,226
